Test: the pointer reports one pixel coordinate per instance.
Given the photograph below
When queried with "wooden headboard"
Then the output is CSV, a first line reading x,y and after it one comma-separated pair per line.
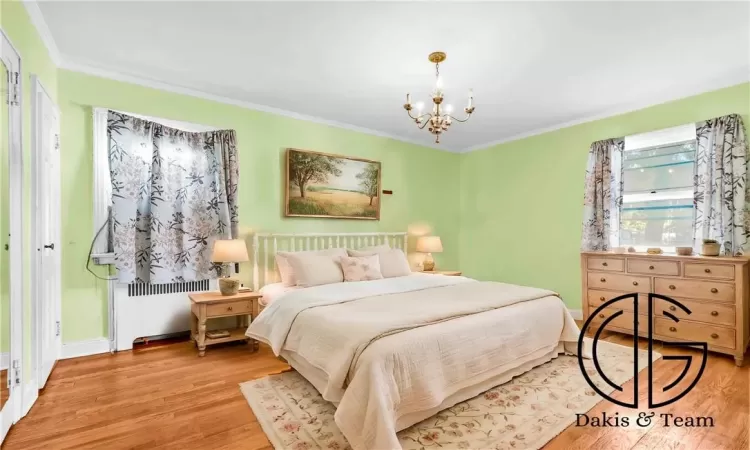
x,y
265,246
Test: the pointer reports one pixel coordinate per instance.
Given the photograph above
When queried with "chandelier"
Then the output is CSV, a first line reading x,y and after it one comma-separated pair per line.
x,y
439,119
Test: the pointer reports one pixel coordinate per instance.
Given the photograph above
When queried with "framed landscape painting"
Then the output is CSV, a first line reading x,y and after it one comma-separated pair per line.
x,y
335,186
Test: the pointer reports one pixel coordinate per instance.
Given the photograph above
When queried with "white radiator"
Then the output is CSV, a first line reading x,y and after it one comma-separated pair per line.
x,y
142,310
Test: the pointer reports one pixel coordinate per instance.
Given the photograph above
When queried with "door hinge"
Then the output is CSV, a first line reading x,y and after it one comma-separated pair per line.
x,y
57,328
16,372
57,142
14,92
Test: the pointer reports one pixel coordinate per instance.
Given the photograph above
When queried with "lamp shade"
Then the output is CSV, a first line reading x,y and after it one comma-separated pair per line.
x,y
229,251
429,244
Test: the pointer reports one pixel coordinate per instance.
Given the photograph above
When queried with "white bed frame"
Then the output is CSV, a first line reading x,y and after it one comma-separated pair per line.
x,y
265,246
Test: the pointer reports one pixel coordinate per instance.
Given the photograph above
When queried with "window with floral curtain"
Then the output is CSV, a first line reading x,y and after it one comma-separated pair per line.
x,y
173,193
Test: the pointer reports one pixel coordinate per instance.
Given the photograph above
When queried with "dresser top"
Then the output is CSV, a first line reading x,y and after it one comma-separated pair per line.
x,y
672,256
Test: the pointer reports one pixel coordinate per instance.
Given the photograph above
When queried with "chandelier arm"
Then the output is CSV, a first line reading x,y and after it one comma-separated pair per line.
x,y
424,124
468,116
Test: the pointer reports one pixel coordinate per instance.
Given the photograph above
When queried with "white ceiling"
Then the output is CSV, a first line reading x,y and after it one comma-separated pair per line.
x,y
533,66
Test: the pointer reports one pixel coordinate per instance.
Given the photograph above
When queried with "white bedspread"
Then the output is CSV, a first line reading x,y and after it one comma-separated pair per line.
x,y
384,365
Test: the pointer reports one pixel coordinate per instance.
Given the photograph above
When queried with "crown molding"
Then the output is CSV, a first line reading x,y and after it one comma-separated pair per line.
x,y
37,19
666,97
89,69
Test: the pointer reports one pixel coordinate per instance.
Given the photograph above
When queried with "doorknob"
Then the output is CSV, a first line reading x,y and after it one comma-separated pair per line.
x,y
50,246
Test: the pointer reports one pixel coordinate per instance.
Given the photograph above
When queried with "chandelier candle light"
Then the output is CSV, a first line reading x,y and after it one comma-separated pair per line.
x,y
437,120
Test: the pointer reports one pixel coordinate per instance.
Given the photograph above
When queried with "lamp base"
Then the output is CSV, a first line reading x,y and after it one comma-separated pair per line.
x,y
229,286
428,265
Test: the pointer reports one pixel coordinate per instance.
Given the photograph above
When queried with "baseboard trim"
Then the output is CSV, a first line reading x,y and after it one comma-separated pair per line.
x,y
84,348
29,397
576,313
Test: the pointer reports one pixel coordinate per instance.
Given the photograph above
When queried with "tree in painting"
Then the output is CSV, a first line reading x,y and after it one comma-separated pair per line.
x,y
368,181
306,168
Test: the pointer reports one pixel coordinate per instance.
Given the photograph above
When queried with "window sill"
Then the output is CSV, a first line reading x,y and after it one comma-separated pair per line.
x,y
103,259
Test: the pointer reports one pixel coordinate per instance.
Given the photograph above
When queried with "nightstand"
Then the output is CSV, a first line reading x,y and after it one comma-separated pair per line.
x,y
209,305
448,273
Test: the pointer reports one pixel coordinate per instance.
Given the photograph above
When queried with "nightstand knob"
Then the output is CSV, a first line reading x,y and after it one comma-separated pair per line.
x,y
714,336
672,329
651,267
603,280
714,313
714,290
229,308
672,286
601,299
673,308
707,270
601,315
605,264
635,283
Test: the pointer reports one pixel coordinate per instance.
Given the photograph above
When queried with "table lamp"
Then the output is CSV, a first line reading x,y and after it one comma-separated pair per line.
x,y
228,251
429,245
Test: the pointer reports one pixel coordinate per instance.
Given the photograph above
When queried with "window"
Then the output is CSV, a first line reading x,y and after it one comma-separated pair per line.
x,y
657,203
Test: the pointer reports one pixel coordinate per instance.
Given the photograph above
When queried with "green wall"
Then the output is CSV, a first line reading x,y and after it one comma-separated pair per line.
x,y
34,60
424,182
522,201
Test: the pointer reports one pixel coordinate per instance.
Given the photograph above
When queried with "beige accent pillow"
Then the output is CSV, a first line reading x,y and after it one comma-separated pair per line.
x,y
287,272
393,262
316,269
361,268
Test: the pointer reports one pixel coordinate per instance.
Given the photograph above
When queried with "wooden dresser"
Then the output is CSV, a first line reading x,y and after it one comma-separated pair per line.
x,y
715,289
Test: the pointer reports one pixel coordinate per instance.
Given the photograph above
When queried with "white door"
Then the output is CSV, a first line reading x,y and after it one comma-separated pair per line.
x,y
11,235
46,229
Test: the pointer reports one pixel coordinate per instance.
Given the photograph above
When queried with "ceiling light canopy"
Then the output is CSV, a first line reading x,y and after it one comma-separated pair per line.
x,y
439,119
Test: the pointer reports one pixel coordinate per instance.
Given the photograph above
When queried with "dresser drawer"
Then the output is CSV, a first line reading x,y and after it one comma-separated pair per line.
x,y
229,309
723,337
624,320
597,298
674,287
710,313
618,282
710,271
606,264
650,267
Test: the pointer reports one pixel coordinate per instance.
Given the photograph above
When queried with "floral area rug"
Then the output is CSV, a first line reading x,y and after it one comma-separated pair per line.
x,y
524,413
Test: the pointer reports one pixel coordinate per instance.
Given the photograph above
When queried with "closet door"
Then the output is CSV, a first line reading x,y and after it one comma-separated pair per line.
x,y
11,239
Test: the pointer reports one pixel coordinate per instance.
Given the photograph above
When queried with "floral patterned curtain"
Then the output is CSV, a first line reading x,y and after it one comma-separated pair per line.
x,y
720,184
602,195
173,193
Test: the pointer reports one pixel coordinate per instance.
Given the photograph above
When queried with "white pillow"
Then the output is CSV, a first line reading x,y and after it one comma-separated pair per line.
x,y
287,272
393,262
316,269
361,268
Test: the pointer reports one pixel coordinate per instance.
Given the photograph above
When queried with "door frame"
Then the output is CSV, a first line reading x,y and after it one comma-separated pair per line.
x,y
38,89
16,250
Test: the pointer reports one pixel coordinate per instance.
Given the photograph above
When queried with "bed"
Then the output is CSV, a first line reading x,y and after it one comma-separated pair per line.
x,y
394,351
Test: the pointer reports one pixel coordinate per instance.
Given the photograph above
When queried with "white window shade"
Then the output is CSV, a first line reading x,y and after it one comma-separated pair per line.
x,y
658,138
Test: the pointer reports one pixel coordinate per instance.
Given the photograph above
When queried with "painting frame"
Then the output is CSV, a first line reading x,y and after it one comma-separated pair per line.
x,y
288,183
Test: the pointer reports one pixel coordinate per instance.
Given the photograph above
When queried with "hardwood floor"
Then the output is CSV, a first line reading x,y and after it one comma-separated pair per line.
x,y
165,397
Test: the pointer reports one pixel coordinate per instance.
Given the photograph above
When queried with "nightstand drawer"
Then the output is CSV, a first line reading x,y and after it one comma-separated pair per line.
x,y
617,282
676,287
229,309
651,267
607,264
715,271
698,332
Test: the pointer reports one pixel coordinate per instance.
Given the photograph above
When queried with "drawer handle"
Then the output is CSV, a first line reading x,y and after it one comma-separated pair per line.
x,y
601,299
601,315
673,308
672,287
707,270
635,283
603,280
651,267
229,308
714,336
673,329
714,290
714,313
605,264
